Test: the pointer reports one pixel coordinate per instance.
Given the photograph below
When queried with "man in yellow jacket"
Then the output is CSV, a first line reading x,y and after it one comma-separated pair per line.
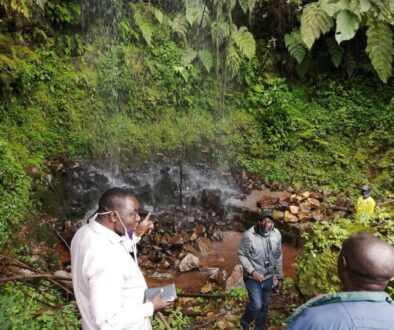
x,y
365,203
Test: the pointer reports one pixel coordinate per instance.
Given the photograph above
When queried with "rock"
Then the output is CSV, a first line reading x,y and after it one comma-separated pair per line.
x,y
210,198
317,215
179,239
193,236
305,195
212,272
208,287
312,203
203,245
158,275
221,278
267,202
283,205
166,241
217,235
290,217
235,280
190,219
277,215
317,196
199,229
294,209
304,207
295,199
189,262
304,216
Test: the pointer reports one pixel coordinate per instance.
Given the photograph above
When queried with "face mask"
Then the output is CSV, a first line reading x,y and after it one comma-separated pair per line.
x,y
129,244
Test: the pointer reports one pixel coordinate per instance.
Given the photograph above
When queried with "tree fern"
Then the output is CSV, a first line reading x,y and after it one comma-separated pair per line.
x,y
206,59
296,46
196,12
144,26
335,51
233,61
314,23
380,48
247,5
179,26
244,41
220,31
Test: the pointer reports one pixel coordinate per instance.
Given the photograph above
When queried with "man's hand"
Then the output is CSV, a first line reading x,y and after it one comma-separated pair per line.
x,y
145,226
159,304
257,276
278,286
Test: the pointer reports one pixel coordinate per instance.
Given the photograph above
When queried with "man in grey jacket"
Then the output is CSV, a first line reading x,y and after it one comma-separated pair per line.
x,y
260,254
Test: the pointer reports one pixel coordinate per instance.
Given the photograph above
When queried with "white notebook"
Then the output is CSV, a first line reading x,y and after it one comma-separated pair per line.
x,y
168,294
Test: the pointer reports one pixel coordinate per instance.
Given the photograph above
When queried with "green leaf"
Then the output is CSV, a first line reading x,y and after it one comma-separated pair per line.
x,y
158,15
206,59
347,25
220,31
295,45
144,26
233,61
314,23
365,5
380,48
188,56
336,51
179,26
245,41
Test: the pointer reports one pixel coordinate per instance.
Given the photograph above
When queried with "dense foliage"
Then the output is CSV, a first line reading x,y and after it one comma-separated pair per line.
x,y
317,263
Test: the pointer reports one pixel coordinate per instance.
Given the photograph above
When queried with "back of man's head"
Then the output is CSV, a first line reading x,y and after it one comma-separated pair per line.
x,y
113,199
366,263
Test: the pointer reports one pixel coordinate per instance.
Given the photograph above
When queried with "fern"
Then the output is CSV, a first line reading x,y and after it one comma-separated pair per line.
x,y
206,59
158,15
188,56
144,26
179,26
335,51
197,13
245,41
380,48
220,31
314,23
347,25
233,61
295,46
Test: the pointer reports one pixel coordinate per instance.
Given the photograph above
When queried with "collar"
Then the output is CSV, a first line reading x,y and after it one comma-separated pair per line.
x,y
258,231
100,229
374,296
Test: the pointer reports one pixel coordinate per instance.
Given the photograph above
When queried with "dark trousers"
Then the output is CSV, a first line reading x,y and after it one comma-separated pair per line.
x,y
259,298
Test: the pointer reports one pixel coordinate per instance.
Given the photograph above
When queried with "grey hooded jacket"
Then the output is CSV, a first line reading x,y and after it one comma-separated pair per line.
x,y
257,248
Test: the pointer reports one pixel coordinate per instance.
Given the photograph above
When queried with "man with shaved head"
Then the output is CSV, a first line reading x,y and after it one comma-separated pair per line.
x,y
365,267
109,286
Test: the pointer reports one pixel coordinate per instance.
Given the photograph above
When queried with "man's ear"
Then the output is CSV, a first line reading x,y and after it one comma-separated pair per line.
x,y
112,217
342,262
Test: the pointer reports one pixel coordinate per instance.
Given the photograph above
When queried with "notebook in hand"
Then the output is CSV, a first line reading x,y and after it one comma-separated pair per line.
x,y
168,294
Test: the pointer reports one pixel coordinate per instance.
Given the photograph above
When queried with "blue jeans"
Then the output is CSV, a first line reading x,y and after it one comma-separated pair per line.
x,y
259,298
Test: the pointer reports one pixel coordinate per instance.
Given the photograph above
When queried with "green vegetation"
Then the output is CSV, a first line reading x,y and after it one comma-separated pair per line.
x,y
317,263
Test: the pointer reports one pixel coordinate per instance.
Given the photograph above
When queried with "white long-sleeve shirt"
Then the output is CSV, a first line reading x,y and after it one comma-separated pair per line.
x,y
109,286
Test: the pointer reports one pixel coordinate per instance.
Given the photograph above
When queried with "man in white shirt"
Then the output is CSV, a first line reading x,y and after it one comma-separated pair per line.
x,y
108,284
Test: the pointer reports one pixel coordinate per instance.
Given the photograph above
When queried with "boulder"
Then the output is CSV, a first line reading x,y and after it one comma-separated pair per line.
x,y
312,203
277,215
290,217
189,262
294,209
304,216
210,198
208,287
317,195
235,280
203,245
317,215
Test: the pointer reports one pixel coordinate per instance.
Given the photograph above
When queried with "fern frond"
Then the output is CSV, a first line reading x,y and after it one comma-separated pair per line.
x,y
206,59
245,41
197,13
347,26
314,23
158,15
233,61
296,46
144,26
179,26
336,52
220,31
188,56
380,48
247,5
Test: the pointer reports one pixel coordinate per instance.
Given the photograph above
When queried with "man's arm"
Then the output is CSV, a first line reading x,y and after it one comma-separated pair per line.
x,y
244,254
